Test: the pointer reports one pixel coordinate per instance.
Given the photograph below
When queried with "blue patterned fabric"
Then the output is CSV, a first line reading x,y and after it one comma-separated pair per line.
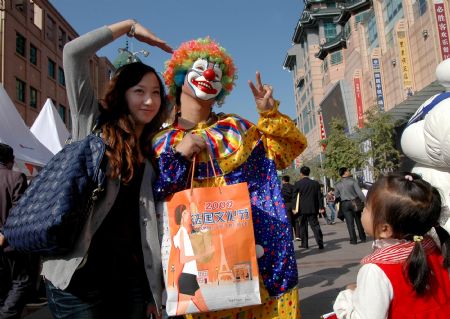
x,y
277,266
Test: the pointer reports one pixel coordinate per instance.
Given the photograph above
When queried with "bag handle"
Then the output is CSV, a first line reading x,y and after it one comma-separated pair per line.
x,y
192,171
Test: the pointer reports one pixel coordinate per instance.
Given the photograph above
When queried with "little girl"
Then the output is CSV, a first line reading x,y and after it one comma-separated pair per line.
x,y
406,276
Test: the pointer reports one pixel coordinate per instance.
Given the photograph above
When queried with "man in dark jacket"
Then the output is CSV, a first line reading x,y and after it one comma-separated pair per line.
x,y
347,190
311,204
287,191
15,273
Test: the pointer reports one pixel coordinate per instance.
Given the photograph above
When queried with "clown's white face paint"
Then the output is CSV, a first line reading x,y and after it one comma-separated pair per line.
x,y
204,79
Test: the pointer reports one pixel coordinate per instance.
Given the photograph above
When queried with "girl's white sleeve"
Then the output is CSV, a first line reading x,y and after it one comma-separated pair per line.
x,y
371,298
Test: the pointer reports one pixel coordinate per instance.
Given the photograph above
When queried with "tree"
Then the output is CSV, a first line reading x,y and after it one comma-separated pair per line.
x,y
293,173
378,129
341,150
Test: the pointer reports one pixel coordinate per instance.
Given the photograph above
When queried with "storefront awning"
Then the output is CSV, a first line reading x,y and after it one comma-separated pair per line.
x,y
404,110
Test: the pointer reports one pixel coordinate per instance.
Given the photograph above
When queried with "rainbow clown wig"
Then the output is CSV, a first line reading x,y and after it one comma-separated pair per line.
x,y
185,56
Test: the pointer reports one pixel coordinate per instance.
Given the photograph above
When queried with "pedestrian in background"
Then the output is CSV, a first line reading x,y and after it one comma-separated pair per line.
x,y
17,272
311,204
407,275
331,204
347,189
287,191
114,269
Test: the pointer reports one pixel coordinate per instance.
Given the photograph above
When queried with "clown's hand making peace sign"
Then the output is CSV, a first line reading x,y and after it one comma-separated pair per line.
x,y
263,94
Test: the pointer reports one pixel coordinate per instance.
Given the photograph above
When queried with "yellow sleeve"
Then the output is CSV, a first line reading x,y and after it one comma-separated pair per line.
x,y
282,139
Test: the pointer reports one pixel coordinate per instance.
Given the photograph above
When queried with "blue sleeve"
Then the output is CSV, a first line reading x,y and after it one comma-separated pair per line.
x,y
173,171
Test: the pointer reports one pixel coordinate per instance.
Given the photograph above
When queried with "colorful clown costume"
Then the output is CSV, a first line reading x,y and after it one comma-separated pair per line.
x,y
244,152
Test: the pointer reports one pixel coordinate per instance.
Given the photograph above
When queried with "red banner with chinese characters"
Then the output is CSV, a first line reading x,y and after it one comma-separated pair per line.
x,y
359,102
322,131
442,28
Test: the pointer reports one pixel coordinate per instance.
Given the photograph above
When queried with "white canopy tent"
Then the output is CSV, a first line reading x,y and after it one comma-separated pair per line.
x,y
28,151
49,128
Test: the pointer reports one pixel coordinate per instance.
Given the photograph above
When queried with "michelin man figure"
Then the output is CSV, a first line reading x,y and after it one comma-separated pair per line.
x,y
426,140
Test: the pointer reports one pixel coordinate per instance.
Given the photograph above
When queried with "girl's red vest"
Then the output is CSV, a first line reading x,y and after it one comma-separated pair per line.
x,y
434,304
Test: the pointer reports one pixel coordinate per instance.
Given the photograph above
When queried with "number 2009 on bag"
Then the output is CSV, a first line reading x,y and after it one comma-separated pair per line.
x,y
218,205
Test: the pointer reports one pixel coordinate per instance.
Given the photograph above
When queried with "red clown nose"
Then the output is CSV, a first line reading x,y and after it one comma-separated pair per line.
x,y
209,74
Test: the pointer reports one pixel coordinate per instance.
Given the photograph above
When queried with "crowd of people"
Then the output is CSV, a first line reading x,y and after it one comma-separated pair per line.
x,y
114,269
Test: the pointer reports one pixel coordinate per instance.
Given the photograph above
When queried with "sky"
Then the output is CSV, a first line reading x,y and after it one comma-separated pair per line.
x,y
256,33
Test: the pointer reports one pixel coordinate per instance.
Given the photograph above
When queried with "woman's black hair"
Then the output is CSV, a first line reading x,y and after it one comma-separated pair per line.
x,y
411,206
126,77
118,126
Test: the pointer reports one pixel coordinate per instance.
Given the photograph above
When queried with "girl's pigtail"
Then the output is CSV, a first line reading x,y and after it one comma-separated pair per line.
x,y
444,238
417,267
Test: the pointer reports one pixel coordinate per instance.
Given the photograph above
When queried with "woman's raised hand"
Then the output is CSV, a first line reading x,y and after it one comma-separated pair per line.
x,y
143,34
262,94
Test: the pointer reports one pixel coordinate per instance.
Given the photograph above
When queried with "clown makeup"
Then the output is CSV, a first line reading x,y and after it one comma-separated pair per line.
x,y
204,79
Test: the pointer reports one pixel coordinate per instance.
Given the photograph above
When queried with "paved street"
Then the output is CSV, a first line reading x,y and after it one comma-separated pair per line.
x,y
323,273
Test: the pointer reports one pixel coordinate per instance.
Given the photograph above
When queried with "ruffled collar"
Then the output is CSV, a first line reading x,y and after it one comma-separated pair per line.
x,y
394,251
223,136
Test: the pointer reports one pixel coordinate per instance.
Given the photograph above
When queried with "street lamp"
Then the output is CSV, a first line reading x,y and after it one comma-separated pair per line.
x,y
132,55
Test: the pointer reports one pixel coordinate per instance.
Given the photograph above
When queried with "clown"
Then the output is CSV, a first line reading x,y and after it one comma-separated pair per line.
x,y
426,140
200,74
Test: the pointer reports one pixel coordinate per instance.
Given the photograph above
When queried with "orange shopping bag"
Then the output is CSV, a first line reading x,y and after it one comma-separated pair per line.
x,y
208,250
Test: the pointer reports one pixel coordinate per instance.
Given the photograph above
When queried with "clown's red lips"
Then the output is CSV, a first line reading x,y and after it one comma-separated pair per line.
x,y
204,86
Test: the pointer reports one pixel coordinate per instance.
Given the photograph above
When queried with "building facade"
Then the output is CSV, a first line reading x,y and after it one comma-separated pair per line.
x,y
32,36
349,56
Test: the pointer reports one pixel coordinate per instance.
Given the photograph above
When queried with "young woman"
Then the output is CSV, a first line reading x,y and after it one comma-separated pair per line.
x,y
189,288
200,74
407,275
114,270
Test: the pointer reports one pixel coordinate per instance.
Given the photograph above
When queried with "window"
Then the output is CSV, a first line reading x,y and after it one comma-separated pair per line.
x,y
62,38
372,29
20,90
422,7
50,28
61,78
336,57
51,68
33,54
37,16
33,97
20,6
305,117
348,30
20,44
325,65
300,84
391,8
359,17
62,112
329,30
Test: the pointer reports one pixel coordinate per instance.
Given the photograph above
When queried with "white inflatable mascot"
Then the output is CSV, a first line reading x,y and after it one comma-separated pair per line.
x,y
426,140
